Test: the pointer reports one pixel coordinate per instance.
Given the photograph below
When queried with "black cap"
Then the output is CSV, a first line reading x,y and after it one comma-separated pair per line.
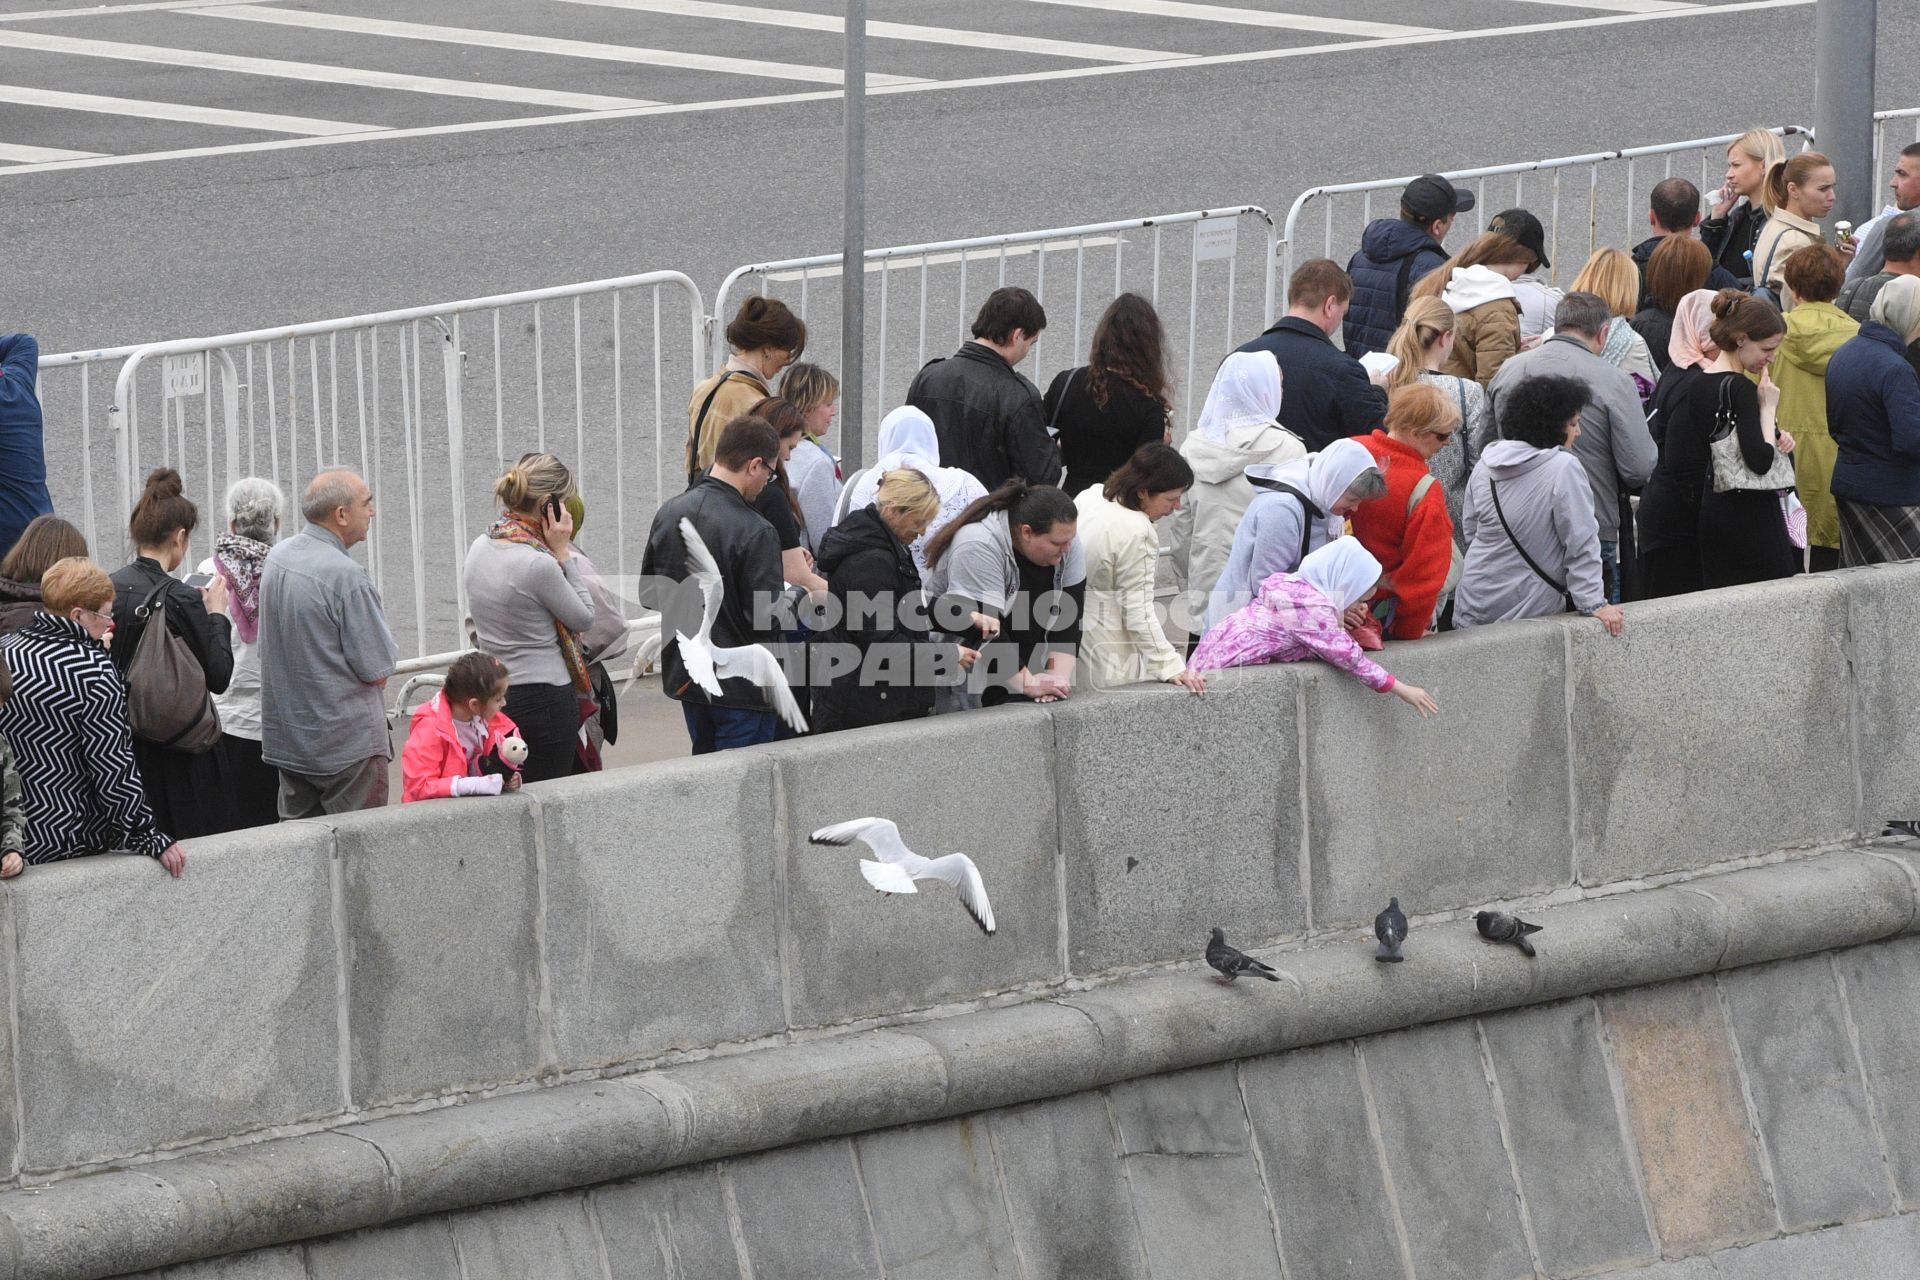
x,y
1431,197
1525,228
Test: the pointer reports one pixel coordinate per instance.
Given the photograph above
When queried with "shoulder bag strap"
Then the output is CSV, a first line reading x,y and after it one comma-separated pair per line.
x,y
1309,510
700,422
1053,423
1538,572
1419,492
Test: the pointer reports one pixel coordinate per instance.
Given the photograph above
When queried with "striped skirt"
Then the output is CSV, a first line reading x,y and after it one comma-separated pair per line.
x,y
1871,534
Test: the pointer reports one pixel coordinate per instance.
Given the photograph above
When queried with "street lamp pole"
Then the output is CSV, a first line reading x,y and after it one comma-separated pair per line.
x,y
1843,101
853,275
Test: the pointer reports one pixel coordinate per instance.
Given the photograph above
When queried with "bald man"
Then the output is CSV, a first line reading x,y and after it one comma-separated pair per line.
x,y
325,655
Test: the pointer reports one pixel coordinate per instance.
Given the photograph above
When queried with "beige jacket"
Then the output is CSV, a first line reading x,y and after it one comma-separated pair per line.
x,y
743,389
1121,639
1784,234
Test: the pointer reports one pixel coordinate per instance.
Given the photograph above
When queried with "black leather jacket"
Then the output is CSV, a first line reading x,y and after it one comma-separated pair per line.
x,y
748,553
208,635
988,417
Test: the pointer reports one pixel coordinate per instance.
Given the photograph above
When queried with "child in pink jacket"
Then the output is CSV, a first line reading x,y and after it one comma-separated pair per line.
x,y
1300,615
456,730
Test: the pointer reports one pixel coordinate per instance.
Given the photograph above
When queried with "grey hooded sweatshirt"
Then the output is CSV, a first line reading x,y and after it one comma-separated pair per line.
x,y
1549,506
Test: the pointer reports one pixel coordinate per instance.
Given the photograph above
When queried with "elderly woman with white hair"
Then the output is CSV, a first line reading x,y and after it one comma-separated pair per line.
x,y
1239,428
254,509
1873,413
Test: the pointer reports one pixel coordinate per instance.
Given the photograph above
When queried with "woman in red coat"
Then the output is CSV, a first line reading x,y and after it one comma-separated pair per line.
x,y
1407,529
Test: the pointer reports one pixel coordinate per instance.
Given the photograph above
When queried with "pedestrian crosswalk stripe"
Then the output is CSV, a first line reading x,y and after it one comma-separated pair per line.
x,y
803,21
16,154
1618,6
541,44
313,71
180,111
1252,17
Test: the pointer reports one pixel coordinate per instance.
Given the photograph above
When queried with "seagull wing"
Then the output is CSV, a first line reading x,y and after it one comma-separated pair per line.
x,y
756,662
704,572
957,869
878,834
887,878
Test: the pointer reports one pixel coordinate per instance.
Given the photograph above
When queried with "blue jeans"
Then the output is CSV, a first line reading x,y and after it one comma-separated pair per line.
x,y
1610,571
723,728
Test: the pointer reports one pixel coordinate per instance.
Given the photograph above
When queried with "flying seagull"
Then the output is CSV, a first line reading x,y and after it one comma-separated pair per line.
x,y
1390,926
1232,962
708,665
900,866
1496,926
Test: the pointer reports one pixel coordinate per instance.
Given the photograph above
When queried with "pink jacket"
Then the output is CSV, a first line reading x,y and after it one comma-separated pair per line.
x,y
1289,621
434,756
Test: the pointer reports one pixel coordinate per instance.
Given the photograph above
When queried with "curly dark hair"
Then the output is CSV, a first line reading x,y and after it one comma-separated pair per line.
x,y
1130,344
1537,410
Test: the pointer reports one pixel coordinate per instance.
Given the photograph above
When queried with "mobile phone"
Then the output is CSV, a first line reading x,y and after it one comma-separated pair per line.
x,y
553,507
199,581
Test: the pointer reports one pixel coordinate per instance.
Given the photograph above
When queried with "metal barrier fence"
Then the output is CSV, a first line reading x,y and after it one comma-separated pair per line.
x,y
1603,180
409,398
944,280
1883,131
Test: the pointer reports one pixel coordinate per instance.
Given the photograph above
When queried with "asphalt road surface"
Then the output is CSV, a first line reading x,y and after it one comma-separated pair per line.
x,y
184,168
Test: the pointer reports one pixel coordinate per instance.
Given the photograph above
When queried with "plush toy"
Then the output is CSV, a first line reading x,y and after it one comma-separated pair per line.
x,y
505,757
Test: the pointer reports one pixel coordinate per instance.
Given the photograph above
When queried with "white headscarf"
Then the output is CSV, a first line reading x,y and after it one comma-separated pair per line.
x,y
1324,476
1343,571
1246,392
1897,306
908,439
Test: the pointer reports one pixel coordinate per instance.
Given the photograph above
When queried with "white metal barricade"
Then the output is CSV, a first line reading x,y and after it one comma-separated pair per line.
x,y
1601,180
947,280
1888,130
400,396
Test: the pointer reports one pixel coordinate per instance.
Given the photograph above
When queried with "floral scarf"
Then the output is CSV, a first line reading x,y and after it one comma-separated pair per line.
x,y
239,560
511,527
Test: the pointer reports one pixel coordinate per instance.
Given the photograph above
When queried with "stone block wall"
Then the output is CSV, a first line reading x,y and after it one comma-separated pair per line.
x,y
318,973
1753,1123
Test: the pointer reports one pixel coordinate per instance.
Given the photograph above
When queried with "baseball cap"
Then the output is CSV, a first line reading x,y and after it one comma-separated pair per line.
x,y
1525,228
1431,197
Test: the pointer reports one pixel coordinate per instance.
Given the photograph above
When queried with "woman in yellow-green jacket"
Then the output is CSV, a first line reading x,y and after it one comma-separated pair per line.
x,y
1815,330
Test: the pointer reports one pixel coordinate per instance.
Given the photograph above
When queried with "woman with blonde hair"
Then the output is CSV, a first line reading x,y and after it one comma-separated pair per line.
x,y
528,603
1800,192
813,471
1611,276
1422,343
1738,210
879,653
1477,283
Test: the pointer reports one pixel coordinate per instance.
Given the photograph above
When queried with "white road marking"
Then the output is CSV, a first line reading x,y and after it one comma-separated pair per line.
x,y
314,71
14,153
1617,6
1251,17
542,44
931,86
106,10
802,21
183,112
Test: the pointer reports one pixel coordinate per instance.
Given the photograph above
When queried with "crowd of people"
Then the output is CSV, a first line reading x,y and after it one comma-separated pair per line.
x,y
1734,399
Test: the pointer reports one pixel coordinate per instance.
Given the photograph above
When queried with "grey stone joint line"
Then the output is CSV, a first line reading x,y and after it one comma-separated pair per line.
x,y
582,1134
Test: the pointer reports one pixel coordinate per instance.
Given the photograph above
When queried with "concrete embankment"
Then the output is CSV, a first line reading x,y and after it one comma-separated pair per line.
x,y
405,1024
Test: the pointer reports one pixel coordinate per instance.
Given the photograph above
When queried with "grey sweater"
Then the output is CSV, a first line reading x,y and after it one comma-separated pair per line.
x,y
324,649
1614,445
514,594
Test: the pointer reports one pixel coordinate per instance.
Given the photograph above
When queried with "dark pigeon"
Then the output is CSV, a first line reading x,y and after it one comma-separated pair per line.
x,y
1390,926
1232,962
1496,926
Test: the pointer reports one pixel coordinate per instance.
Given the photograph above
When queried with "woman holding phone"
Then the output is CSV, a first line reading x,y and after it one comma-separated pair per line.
x,y
187,791
529,603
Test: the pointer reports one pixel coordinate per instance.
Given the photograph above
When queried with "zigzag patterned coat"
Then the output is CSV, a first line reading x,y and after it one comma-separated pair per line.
x,y
67,724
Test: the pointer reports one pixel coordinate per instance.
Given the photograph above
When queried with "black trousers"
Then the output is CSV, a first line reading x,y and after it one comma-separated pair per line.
x,y
256,785
548,716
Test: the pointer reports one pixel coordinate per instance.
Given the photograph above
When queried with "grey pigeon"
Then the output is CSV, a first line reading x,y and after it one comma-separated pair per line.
x,y
1232,962
1496,926
1390,926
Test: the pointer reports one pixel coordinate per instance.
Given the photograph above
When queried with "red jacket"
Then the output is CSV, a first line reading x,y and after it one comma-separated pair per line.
x,y
1415,550
434,756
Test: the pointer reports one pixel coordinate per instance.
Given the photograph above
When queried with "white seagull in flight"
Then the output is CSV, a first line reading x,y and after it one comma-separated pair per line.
x,y
708,665
900,866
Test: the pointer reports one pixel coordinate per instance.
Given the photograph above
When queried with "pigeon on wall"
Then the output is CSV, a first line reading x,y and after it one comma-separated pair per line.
x,y
1390,927
1232,962
1497,926
900,866
708,665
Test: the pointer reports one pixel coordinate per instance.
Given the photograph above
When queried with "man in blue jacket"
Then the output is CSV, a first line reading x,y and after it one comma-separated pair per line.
x,y
23,454
1325,394
1394,254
